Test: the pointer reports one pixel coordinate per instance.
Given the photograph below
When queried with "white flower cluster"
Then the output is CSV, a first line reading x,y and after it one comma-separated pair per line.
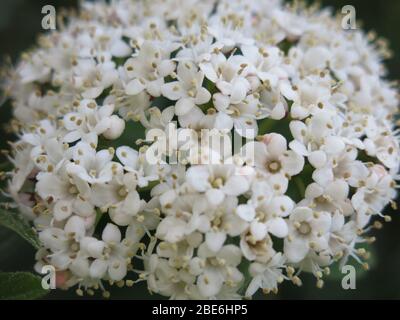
x,y
317,110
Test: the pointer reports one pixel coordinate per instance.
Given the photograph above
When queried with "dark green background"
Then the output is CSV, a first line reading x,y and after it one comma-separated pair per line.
x,y
20,22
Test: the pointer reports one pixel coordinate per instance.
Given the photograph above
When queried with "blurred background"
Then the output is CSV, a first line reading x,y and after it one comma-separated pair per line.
x,y
20,23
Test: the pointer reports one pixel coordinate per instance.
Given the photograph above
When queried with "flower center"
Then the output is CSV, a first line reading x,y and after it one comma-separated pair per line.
x,y
73,190
122,193
304,228
217,183
273,166
321,199
93,173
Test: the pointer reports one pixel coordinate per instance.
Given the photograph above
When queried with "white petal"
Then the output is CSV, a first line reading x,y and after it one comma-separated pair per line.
x,y
111,234
246,127
223,121
240,86
209,283
171,229
278,227
203,96
298,147
334,145
292,163
98,268
62,210
120,49
209,71
117,269
276,144
323,176
131,204
92,93
215,240
80,267
75,225
197,177
221,102
236,185
317,159
313,190
166,67
135,232
172,90
231,254
116,127
168,197
215,196
127,156
134,87
258,230
95,248
278,112
246,212
296,249
337,222
183,106
338,190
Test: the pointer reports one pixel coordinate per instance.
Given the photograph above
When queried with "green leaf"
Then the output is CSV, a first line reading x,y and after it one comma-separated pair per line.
x,y
150,186
14,221
5,166
99,215
244,268
20,286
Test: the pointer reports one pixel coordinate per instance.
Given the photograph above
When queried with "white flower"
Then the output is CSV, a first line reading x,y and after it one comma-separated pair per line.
x,y
267,217
229,75
256,249
111,255
317,134
120,197
216,182
308,230
92,79
266,276
34,69
148,69
272,157
133,107
242,115
224,222
373,194
215,269
44,131
65,246
89,119
68,195
135,162
185,214
188,90
331,198
386,148
92,166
